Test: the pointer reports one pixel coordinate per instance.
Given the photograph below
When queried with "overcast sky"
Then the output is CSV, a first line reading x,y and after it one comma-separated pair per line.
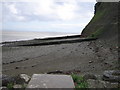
x,y
47,15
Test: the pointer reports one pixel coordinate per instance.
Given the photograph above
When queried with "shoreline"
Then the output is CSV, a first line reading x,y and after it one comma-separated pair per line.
x,y
46,38
49,41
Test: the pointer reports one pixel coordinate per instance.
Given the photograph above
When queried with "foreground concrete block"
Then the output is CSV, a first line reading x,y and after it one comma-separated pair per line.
x,y
51,81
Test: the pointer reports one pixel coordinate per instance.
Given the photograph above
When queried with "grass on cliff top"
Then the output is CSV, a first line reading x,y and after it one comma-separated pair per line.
x,y
79,81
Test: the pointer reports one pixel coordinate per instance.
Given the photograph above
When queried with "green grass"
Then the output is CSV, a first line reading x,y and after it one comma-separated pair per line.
x,y
24,86
97,33
10,86
79,81
98,15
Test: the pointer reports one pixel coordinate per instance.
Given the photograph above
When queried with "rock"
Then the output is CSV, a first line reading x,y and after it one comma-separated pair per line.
x,y
25,77
117,47
101,45
17,86
105,62
22,79
89,76
6,79
101,84
110,48
90,61
96,49
112,75
17,67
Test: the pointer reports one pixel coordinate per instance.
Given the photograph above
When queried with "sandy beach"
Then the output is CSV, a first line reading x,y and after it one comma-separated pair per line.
x,y
87,57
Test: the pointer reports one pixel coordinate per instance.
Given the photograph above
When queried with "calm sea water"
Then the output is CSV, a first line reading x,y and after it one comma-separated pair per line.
x,y
23,35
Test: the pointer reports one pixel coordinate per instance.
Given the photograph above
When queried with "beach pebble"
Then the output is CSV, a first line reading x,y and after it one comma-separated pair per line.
x,y
90,61
17,67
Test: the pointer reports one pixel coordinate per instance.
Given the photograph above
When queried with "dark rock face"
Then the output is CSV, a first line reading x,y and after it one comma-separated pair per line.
x,y
6,79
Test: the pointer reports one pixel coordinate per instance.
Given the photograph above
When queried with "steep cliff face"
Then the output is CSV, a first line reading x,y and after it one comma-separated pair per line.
x,y
104,24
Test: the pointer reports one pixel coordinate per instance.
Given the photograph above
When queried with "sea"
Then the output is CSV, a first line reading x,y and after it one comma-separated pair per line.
x,y
8,36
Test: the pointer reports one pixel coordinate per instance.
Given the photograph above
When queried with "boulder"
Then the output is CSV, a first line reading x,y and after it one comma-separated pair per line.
x,y
112,75
22,79
25,77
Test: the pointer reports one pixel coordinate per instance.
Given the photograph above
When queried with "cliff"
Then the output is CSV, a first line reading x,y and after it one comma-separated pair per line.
x,y
104,24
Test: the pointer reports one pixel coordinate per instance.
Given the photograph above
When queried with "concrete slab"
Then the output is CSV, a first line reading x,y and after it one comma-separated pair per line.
x,y
51,81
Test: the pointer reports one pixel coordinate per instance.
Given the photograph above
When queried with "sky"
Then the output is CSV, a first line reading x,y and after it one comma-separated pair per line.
x,y
69,16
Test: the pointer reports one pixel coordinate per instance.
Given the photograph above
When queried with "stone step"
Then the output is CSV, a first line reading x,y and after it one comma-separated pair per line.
x,y
51,81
